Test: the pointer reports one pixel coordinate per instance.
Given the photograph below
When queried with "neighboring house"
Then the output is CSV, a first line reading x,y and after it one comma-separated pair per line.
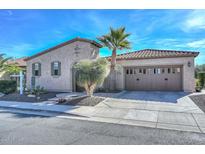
x,y
19,62
147,69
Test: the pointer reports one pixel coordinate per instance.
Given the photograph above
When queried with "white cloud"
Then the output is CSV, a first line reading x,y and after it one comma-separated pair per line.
x,y
197,44
170,43
194,21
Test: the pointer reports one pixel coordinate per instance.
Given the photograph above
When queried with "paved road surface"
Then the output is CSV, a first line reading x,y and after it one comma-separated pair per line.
x,y
18,128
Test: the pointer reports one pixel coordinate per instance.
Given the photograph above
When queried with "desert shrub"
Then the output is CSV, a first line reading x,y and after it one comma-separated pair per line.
x,y
89,73
62,100
38,90
198,87
201,78
7,86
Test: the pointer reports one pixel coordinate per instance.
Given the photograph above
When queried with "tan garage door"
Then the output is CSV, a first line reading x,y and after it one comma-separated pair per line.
x,y
167,78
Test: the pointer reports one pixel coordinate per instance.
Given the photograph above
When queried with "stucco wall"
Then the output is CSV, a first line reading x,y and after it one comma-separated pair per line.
x,y
66,55
187,77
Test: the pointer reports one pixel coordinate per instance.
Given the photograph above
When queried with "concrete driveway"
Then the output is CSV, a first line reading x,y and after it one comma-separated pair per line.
x,y
167,110
153,96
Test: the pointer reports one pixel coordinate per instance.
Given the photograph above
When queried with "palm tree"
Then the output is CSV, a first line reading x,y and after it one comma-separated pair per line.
x,y
3,63
115,40
5,66
89,73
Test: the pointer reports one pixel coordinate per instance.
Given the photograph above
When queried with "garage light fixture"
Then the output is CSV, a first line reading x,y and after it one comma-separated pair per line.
x,y
189,64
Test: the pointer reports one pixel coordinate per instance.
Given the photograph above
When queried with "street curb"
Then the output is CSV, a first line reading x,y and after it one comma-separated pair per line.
x,y
40,110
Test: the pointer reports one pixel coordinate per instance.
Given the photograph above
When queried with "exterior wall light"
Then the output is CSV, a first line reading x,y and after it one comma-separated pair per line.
x,y
189,64
77,48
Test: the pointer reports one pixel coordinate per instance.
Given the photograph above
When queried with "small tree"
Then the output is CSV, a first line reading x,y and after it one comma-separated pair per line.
x,y
3,63
89,73
5,67
201,77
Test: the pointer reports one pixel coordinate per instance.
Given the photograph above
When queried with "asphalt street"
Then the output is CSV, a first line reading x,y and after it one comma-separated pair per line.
x,y
20,128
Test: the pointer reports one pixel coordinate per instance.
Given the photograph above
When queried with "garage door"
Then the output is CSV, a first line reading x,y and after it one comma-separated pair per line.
x,y
168,78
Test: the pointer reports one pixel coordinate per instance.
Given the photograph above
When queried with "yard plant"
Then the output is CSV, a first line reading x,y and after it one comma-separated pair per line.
x,y
5,67
90,73
37,91
7,86
200,81
201,77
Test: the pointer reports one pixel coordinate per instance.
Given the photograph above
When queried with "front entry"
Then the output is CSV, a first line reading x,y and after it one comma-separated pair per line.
x,y
166,78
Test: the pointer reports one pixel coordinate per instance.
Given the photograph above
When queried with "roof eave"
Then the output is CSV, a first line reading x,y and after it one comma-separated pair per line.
x,y
64,44
134,58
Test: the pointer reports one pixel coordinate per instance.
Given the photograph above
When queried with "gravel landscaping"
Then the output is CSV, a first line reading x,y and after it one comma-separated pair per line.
x,y
84,101
199,100
24,98
79,100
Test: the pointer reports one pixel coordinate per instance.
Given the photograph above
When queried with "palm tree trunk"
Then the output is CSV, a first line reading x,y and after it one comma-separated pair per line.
x,y
113,59
112,80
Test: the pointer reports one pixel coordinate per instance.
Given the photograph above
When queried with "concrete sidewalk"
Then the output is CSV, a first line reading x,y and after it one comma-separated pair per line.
x,y
183,116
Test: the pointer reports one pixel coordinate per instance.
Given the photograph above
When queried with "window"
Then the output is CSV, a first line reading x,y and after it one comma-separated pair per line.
x,y
158,71
155,71
178,70
36,69
168,70
173,70
55,68
140,70
135,71
130,71
127,71
149,71
144,71
163,70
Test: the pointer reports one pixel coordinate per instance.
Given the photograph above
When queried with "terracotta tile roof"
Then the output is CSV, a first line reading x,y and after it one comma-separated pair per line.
x,y
154,53
63,44
19,62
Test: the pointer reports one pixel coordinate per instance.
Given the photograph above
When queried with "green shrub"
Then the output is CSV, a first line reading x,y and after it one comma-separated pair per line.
x,y
38,90
7,86
89,73
198,88
201,78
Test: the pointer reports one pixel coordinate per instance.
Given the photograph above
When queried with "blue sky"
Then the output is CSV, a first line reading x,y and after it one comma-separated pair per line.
x,y
26,32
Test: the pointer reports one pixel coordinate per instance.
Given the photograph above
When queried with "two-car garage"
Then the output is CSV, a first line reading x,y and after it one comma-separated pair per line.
x,y
151,78
156,70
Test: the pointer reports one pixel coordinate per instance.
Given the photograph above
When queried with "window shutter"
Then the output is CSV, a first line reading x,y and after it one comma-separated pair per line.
x,y
39,69
33,69
52,68
59,69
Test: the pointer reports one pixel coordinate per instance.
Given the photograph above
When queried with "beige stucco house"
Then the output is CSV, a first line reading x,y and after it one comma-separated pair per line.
x,y
147,69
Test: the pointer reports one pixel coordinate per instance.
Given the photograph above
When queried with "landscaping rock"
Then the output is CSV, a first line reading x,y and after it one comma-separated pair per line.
x,y
199,100
84,101
25,98
31,95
